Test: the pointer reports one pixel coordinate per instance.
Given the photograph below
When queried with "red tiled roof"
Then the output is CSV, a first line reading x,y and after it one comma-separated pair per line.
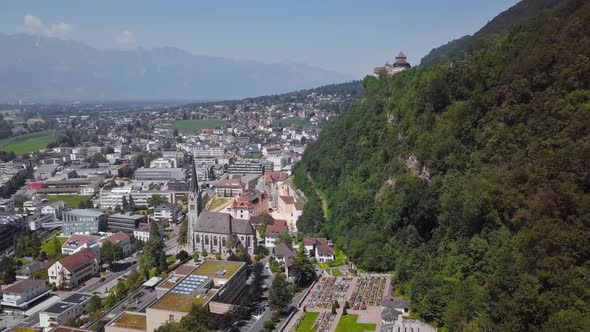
x,y
117,237
70,263
272,177
276,229
21,286
288,199
311,241
230,183
324,250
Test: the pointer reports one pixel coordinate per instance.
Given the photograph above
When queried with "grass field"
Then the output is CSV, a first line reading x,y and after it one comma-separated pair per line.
x,y
196,124
307,322
217,202
336,273
29,142
46,246
72,201
349,324
291,121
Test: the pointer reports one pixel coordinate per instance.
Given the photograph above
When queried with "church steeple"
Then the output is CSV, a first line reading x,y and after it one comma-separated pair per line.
x,y
194,191
194,206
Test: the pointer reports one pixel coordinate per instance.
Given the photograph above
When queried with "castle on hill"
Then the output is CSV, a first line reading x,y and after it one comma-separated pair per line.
x,y
401,63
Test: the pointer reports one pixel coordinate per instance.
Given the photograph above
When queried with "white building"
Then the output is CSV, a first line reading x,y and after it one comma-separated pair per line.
x,y
7,204
54,209
169,212
20,294
37,220
59,313
163,163
142,233
71,271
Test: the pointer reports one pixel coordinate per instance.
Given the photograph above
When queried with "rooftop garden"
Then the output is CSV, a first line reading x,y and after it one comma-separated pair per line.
x,y
210,267
131,321
181,303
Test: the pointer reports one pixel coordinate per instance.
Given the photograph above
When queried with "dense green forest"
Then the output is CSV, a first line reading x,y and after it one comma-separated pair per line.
x,y
470,179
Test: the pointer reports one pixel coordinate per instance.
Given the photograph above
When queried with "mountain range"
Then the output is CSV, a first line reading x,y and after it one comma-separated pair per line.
x,y
36,68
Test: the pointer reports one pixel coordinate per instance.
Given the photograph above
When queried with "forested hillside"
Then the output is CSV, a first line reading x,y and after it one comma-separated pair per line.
x,y
470,181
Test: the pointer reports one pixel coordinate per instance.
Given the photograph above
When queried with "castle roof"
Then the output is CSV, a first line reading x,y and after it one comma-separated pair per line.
x,y
401,55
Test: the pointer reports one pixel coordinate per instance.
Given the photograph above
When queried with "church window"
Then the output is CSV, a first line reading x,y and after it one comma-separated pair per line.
x,y
206,240
248,242
223,242
215,241
198,238
192,207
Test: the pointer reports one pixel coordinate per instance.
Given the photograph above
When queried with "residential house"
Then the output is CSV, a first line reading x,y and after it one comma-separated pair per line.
x,y
61,312
73,270
55,209
274,231
20,294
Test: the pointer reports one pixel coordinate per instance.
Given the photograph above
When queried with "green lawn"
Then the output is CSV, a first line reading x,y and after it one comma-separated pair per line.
x,y
196,124
72,201
46,246
336,273
307,322
291,121
24,261
217,202
349,324
29,142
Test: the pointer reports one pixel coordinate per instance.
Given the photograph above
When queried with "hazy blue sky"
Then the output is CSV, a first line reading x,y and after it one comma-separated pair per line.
x,y
346,36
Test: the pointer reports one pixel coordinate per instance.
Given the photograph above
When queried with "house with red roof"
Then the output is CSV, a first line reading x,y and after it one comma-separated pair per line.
x,y
273,231
73,270
22,293
249,204
229,188
78,242
120,239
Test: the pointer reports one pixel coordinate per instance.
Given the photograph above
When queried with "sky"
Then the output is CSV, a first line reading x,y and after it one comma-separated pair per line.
x,y
345,36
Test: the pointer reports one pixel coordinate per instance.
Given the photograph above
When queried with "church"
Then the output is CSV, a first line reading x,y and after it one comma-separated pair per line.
x,y
215,232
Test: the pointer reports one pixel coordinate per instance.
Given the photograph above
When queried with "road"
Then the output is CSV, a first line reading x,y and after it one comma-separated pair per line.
x,y
108,283
256,323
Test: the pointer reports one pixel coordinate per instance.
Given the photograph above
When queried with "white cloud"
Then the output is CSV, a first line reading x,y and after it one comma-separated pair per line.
x,y
36,26
127,38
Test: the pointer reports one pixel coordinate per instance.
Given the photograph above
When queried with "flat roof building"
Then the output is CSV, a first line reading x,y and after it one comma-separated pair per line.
x,y
84,221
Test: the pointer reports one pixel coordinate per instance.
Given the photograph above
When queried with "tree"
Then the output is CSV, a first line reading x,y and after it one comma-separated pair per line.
x,y
7,271
54,249
156,200
94,305
182,255
125,204
134,280
182,236
110,253
280,293
302,268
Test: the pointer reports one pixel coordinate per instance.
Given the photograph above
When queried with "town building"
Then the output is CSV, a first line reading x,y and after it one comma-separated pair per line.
x,y
54,209
78,242
7,204
324,253
22,293
229,188
246,167
161,174
120,239
73,270
36,221
127,222
84,221
274,231
169,212
61,312
214,285
249,204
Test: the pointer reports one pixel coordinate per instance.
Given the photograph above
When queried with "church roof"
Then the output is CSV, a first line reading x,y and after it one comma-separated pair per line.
x,y
220,223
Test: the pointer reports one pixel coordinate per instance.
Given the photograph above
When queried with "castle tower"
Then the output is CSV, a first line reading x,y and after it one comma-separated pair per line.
x,y
194,206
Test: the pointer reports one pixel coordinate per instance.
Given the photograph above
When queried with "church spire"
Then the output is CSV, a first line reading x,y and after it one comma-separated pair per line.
x,y
194,182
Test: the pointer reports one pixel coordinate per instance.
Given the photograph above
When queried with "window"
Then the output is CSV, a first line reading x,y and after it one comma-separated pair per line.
x,y
215,241
171,318
206,240
223,242
198,238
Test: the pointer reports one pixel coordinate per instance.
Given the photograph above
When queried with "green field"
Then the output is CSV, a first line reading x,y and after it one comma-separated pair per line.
x,y
72,201
291,121
307,322
349,324
29,142
196,124
46,246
